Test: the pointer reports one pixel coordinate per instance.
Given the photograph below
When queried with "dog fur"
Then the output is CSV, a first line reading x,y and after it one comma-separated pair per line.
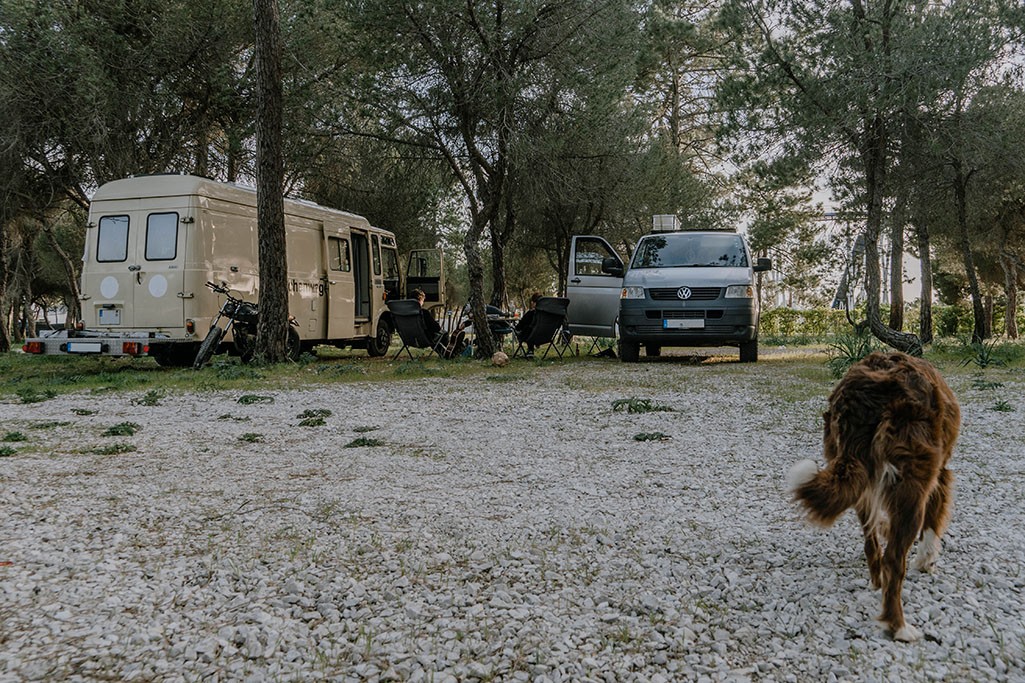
x,y
888,436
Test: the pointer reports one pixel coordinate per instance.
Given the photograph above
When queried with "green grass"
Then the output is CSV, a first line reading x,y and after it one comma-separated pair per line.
x,y
123,429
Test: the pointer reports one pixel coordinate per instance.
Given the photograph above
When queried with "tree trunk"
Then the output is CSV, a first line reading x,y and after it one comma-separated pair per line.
x,y
960,195
925,302
5,324
484,343
897,266
874,159
71,272
1011,290
272,329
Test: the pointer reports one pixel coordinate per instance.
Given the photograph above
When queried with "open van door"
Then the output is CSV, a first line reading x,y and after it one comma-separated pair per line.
x,y
593,286
425,270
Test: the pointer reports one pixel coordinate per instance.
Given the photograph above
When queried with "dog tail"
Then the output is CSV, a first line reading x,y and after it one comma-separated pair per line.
x,y
825,494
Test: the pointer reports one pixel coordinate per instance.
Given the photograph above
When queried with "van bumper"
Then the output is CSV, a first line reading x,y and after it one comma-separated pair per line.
x,y
724,322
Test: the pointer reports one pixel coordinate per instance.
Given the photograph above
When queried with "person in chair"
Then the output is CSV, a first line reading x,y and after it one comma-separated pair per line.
x,y
526,324
447,346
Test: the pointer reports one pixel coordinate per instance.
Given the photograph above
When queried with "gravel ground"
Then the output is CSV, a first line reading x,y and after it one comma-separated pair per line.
x,y
505,528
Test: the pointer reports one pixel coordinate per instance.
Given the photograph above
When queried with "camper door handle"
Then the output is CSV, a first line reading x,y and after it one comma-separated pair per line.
x,y
575,281
132,269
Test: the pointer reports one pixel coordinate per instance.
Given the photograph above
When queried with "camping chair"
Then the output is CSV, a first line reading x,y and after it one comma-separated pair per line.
x,y
409,323
550,316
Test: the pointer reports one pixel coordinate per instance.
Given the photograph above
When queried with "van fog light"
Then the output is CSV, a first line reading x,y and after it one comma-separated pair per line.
x,y
740,292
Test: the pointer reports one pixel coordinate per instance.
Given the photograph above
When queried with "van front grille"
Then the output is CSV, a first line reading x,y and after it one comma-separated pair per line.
x,y
696,293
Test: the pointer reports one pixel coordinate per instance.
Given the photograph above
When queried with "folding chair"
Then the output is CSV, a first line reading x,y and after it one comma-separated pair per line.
x,y
409,323
550,316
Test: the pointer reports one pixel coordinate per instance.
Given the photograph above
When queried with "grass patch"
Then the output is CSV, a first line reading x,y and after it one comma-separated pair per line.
x,y
7,451
251,437
364,430
251,399
123,429
153,397
14,437
113,449
651,436
234,418
48,424
312,422
1002,406
83,411
364,441
35,395
638,405
314,412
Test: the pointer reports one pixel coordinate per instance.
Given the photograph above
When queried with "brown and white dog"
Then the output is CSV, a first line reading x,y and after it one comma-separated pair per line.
x,y
889,433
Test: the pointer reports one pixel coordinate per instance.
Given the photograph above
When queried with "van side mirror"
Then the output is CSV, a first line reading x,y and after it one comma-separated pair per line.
x,y
762,265
612,266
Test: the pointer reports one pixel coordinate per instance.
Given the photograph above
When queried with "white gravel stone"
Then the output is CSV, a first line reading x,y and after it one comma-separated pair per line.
x,y
508,531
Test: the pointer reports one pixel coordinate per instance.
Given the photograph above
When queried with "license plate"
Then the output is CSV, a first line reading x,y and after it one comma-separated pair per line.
x,y
110,316
84,347
685,324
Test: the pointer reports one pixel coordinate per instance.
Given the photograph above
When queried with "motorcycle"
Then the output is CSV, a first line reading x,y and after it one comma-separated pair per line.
x,y
242,317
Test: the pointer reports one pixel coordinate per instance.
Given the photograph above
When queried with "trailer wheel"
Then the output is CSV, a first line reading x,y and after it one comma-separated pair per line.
x,y
378,346
207,348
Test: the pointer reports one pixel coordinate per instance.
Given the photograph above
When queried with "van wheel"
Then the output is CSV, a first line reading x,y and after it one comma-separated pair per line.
x,y
629,352
378,346
653,350
749,351
293,347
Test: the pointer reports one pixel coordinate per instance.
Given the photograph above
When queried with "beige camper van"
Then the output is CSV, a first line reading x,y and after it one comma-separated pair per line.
x,y
154,241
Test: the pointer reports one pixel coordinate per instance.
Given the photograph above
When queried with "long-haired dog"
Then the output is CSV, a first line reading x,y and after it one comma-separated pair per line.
x,y
889,433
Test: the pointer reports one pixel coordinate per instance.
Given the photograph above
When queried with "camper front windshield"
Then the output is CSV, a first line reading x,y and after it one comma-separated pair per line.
x,y
682,250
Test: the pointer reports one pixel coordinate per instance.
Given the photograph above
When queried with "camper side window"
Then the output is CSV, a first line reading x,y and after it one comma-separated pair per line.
x,y
376,242
112,239
161,236
338,254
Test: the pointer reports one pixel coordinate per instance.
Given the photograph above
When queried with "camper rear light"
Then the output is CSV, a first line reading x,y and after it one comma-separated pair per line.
x,y
134,348
33,347
190,326
80,325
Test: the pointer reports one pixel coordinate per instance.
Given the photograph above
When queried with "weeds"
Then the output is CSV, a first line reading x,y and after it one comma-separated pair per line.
x,y
49,424
123,429
251,437
848,349
982,354
1002,406
250,399
13,437
364,441
33,395
364,430
312,422
314,412
982,384
7,451
83,411
151,398
638,405
651,436
113,449
229,416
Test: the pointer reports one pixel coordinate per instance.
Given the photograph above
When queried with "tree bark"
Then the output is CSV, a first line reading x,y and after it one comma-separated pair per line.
x,y
1011,290
897,266
925,301
960,196
272,329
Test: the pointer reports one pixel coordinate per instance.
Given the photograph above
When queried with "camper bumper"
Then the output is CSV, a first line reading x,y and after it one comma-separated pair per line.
x,y
92,343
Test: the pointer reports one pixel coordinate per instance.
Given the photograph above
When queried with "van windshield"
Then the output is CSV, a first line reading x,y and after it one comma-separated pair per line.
x,y
677,250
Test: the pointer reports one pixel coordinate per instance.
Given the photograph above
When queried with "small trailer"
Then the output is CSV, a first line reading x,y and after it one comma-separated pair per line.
x,y
152,243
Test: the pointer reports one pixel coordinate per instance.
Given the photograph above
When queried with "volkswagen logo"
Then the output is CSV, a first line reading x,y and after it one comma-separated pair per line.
x,y
683,292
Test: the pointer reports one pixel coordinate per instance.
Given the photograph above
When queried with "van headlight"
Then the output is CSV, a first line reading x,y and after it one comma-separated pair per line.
x,y
740,292
632,293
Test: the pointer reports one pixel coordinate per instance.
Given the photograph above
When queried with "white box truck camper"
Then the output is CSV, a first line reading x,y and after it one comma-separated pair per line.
x,y
153,242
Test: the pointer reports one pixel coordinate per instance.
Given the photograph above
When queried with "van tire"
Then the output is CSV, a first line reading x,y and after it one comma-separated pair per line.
x,y
378,345
749,351
629,352
652,350
208,347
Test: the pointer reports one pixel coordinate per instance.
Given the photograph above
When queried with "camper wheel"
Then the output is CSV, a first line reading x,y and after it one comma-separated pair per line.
x,y
378,346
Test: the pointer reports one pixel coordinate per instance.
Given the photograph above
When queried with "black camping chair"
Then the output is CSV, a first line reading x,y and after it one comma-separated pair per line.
x,y
409,323
550,316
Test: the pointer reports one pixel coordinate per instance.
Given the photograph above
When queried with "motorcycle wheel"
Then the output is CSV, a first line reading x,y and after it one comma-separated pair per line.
x,y
207,348
293,347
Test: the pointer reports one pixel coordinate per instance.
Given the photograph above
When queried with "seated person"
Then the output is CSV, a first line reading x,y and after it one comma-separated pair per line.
x,y
445,346
526,324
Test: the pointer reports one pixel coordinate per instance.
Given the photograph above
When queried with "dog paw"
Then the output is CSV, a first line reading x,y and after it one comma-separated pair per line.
x,y
801,472
907,634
